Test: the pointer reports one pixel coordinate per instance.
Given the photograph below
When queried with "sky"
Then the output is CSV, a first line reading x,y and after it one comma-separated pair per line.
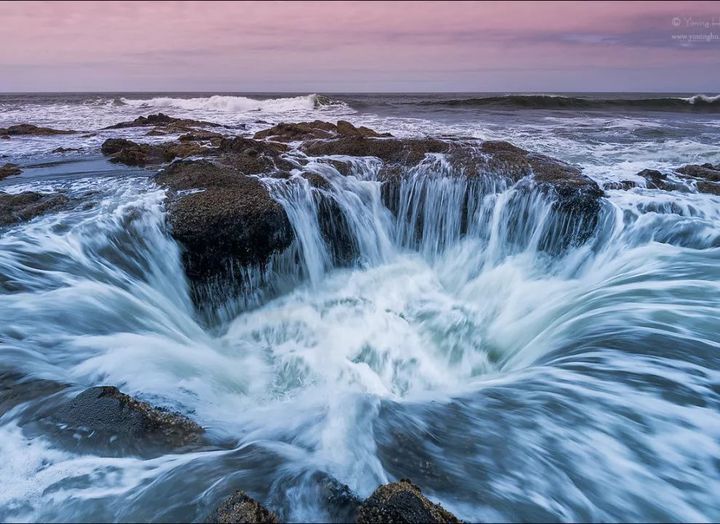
x,y
360,46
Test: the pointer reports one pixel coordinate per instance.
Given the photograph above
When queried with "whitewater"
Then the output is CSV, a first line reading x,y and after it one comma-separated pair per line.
x,y
467,347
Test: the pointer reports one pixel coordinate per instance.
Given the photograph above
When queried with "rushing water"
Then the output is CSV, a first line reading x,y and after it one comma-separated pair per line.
x,y
512,374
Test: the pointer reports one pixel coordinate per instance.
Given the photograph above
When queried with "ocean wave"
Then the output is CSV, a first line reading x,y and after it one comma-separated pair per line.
x,y
236,104
693,103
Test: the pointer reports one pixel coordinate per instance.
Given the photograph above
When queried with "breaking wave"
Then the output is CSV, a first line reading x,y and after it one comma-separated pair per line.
x,y
235,104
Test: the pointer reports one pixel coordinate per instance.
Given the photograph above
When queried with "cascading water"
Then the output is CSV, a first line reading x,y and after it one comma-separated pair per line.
x,y
462,332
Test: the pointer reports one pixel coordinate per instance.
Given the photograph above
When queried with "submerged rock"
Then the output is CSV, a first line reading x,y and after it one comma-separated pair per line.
x,y
16,388
103,416
239,508
9,170
31,130
402,502
25,206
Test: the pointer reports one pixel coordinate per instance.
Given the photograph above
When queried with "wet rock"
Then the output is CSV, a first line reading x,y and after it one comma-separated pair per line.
x,y
242,509
402,502
9,170
252,156
623,184
291,132
31,130
228,218
65,149
198,135
25,206
286,132
131,153
17,388
162,120
706,177
105,417
408,151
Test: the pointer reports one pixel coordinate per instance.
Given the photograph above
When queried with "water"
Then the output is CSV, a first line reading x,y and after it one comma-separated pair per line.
x,y
511,376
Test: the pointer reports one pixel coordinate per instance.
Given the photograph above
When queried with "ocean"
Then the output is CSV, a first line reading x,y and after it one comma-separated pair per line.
x,y
509,383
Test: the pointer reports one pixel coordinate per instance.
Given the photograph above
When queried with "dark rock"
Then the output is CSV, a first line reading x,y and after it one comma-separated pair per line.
x,y
25,206
623,184
285,132
232,220
706,177
291,132
131,153
17,388
656,180
162,120
9,170
105,417
31,130
199,134
65,149
402,502
242,509
393,150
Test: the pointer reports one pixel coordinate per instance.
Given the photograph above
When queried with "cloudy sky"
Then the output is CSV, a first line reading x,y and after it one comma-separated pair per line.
x,y
354,46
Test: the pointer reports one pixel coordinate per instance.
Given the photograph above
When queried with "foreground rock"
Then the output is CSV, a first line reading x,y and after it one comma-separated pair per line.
x,y
242,509
106,419
232,219
402,502
9,170
25,206
31,130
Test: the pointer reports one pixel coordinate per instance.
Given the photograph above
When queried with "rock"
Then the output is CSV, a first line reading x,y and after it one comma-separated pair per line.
x,y
9,170
402,502
131,153
199,134
706,177
232,220
239,508
16,388
105,417
285,132
31,130
288,132
162,120
65,149
25,206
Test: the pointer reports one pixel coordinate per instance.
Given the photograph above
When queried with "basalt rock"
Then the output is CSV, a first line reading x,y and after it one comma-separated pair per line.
x,y
222,217
291,132
239,508
31,130
402,502
9,170
131,153
25,206
162,120
106,419
705,178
